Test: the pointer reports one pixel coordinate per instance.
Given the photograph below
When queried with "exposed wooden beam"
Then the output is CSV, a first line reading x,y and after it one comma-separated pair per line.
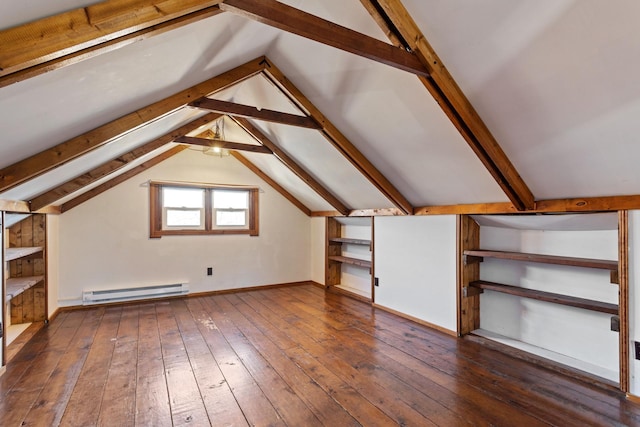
x,y
384,23
287,18
113,165
120,179
14,206
577,205
266,178
104,46
37,164
229,145
292,165
248,111
377,212
56,36
325,213
454,103
338,140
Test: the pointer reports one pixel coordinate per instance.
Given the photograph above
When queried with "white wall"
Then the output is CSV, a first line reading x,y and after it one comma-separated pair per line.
x,y
318,230
104,243
415,262
580,334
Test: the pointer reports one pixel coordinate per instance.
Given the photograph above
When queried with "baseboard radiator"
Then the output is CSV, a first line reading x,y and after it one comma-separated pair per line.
x,y
133,294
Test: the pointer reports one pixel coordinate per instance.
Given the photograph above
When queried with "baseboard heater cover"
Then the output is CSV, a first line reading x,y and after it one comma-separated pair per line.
x,y
133,294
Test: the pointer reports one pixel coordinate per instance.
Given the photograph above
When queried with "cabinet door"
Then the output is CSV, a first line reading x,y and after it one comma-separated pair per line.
x,y
415,259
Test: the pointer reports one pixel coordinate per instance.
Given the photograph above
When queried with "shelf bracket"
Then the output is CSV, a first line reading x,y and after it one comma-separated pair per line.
x,y
470,291
615,279
615,323
471,259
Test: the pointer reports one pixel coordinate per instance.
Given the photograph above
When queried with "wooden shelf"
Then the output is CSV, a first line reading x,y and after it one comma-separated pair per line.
x,y
351,261
362,242
17,285
602,264
17,253
586,304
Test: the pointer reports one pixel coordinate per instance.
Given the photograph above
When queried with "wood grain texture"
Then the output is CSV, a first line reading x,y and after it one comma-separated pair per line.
x,y
623,297
468,306
283,356
229,145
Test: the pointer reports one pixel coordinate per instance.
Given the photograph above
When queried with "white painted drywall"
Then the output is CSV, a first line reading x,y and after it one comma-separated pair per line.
x,y
318,227
53,262
415,262
104,243
581,334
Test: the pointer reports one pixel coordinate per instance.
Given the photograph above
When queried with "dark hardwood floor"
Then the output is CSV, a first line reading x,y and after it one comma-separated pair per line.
x,y
288,356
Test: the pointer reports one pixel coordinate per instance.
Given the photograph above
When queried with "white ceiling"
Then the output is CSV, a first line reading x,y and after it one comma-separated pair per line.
x,y
554,80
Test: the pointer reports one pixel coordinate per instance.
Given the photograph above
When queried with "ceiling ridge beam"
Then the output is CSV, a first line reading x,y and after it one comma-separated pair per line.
x,y
290,19
337,139
293,166
90,194
247,111
457,107
266,178
51,158
113,165
43,65
218,143
54,37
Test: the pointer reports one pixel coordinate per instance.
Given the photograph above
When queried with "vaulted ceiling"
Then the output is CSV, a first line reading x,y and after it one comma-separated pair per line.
x,y
536,109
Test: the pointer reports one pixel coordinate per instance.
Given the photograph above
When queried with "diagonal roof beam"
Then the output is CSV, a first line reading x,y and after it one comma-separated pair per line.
x,y
87,178
452,100
248,111
206,142
73,36
44,161
287,18
292,165
338,140
120,178
266,178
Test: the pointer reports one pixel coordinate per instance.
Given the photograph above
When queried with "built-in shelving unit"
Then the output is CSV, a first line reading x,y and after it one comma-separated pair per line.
x,y
496,258
24,297
348,267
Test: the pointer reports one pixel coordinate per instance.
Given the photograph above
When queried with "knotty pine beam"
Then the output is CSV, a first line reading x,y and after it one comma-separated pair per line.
x,y
453,102
43,65
46,160
205,142
120,178
292,165
248,111
57,36
266,178
337,139
287,18
113,165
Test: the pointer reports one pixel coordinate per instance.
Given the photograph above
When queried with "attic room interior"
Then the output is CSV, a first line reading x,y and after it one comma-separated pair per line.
x,y
374,212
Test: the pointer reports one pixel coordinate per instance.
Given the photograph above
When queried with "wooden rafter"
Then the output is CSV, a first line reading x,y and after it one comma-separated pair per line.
x,y
295,21
113,165
337,139
229,145
266,178
452,100
55,37
120,178
292,165
49,159
43,66
248,111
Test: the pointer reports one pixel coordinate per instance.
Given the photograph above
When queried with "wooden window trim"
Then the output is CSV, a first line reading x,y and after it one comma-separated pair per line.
x,y
155,211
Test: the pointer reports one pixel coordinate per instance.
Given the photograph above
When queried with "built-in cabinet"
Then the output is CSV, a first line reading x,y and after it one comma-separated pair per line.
x,y
24,280
348,263
551,285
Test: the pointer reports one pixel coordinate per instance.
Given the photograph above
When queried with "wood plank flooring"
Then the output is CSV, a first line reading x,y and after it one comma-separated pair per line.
x,y
281,357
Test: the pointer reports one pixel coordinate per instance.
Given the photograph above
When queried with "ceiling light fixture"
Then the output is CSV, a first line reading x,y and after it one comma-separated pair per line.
x,y
215,133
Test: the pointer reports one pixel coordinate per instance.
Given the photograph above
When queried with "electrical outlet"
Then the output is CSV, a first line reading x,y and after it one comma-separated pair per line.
x,y
637,346
209,271
376,281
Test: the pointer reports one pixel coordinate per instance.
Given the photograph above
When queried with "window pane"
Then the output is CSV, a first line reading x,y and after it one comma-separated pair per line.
x,y
230,218
183,197
230,199
183,218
